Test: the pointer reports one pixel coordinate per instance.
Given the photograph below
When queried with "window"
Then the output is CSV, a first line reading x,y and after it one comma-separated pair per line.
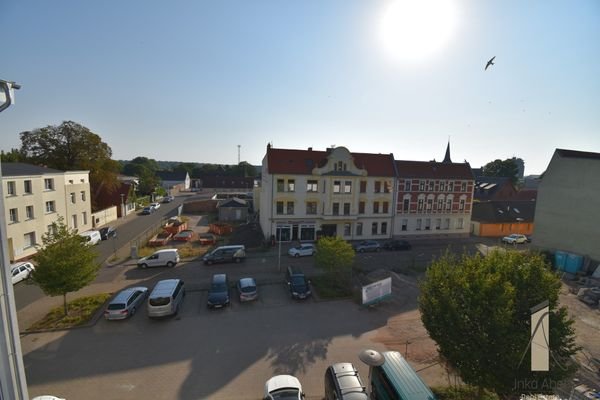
x,y
50,207
461,204
460,223
442,186
13,215
336,186
336,208
384,228
374,228
463,187
406,205
346,208
70,181
404,224
421,186
440,204
387,187
83,195
438,223
311,207
447,223
49,184
430,187
450,186
27,187
291,186
347,229
429,204
386,207
11,188
51,229
279,208
29,212
312,186
359,229
427,224
407,186
420,205
73,197
418,224
74,221
348,187
280,184
290,207
375,207
449,204
363,186
84,218
29,239
377,187
361,207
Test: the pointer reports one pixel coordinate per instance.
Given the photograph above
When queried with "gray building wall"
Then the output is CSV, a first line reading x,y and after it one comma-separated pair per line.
x,y
567,215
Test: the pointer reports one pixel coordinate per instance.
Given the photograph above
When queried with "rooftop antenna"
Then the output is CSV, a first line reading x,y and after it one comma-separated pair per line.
x,y
239,145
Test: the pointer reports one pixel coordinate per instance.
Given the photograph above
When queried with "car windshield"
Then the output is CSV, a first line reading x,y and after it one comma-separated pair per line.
x,y
248,289
218,287
298,281
116,306
285,394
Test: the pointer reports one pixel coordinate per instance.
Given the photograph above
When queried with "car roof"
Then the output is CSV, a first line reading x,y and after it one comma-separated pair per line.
x,y
247,282
165,251
126,293
219,278
165,286
13,266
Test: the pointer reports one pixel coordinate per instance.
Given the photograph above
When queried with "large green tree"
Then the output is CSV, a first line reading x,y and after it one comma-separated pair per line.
x,y
71,146
502,168
65,263
145,169
477,309
334,254
14,155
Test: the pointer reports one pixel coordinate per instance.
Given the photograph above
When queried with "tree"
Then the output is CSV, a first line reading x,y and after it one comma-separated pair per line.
x,y
71,146
145,169
507,168
334,254
14,155
65,263
477,309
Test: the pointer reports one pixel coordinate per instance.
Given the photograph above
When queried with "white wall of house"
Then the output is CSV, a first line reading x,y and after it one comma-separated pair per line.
x,y
34,202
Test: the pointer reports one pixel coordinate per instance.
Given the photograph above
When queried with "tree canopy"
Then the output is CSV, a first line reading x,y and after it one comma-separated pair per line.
x,y
14,155
507,168
71,146
145,169
65,263
477,309
334,254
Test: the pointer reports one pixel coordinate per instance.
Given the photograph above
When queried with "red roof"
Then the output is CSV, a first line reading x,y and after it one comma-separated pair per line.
x,y
433,170
302,162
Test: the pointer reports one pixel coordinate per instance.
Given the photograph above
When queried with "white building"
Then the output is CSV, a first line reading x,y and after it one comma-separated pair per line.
x,y
34,198
306,193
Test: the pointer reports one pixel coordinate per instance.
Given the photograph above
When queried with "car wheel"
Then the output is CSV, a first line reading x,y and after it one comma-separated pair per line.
x,y
361,250
170,264
296,255
143,266
237,260
209,262
132,313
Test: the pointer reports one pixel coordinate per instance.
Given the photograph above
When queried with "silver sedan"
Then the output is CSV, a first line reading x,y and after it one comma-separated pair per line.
x,y
126,303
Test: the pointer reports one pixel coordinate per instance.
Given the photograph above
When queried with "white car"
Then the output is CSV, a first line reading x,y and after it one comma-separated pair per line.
x,y
156,206
302,250
514,238
283,387
21,271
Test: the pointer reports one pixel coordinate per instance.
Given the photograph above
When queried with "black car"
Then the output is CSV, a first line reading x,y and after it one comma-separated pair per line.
x,y
107,232
397,245
298,284
218,295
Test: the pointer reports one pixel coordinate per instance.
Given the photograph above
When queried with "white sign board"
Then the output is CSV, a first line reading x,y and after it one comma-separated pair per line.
x,y
376,291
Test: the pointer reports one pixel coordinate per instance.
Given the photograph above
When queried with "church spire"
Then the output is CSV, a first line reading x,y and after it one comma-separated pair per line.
x,y
447,156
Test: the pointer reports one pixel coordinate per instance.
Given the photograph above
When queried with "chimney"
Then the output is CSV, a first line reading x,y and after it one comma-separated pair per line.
x,y
310,149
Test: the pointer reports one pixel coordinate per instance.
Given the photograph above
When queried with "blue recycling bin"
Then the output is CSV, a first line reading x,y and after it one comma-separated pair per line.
x,y
560,260
573,263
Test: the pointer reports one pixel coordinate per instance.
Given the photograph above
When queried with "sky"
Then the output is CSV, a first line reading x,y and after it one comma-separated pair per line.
x,y
193,80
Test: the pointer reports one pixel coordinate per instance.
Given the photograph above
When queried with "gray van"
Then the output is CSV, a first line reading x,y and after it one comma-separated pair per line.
x,y
166,298
222,254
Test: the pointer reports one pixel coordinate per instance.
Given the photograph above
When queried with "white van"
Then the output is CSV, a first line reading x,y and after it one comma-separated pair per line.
x,y
166,298
160,258
92,237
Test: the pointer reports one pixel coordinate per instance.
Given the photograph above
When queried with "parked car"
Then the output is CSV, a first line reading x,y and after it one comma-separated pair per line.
x,y
147,210
218,295
156,206
397,245
21,271
342,382
107,232
298,284
367,245
91,237
247,289
283,387
168,199
514,238
306,249
126,303
166,298
222,254
160,258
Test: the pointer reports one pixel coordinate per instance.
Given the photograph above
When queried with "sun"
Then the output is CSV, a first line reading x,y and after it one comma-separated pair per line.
x,y
413,30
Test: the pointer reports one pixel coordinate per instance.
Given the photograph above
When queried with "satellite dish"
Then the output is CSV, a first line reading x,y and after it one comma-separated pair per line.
x,y
372,358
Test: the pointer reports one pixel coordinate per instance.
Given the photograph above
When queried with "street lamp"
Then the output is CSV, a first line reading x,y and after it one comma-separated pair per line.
x,y
122,205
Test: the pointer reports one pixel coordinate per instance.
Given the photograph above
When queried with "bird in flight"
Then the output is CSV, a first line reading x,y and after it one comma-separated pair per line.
x,y
491,62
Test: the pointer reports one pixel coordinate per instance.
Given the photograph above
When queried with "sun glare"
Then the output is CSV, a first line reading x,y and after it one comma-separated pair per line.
x,y
412,30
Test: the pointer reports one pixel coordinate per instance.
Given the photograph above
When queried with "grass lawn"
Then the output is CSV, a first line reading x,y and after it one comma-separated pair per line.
x,y
186,250
80,312
332,286
462,393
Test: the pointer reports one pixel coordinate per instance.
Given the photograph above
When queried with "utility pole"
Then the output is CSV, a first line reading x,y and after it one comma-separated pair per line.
x,y
239,145
12,371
